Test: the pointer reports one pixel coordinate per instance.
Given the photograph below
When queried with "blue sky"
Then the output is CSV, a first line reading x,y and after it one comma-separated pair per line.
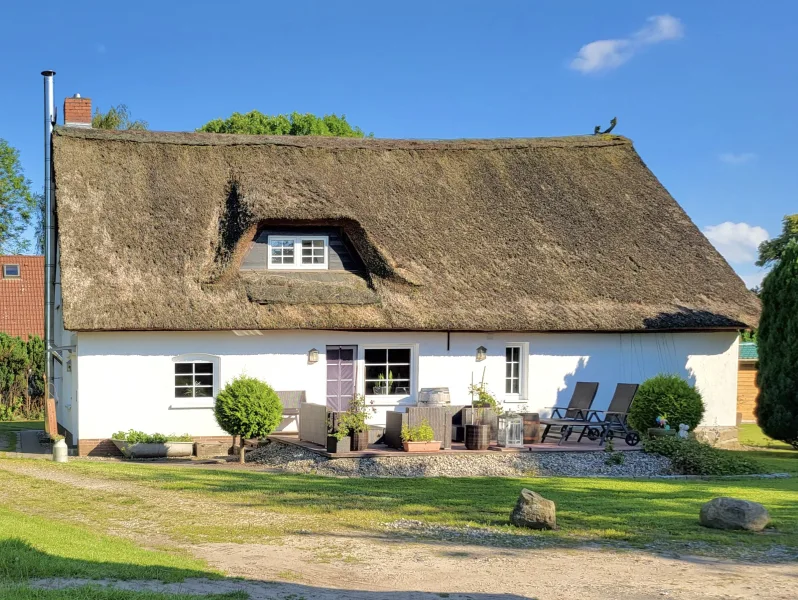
x,y
707,90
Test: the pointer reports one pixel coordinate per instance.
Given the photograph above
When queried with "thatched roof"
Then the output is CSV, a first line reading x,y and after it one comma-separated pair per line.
x,y
554,234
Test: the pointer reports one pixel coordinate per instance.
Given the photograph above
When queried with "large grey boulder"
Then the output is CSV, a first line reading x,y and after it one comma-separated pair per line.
x,y
534,511
731,513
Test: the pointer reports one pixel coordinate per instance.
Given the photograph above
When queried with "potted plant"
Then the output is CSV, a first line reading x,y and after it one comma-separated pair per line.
x,y
419,438
338,439
137,444
354,420
477,434
380,387
662,429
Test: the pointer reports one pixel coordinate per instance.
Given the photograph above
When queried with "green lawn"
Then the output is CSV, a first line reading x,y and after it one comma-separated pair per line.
x,y
8,432
661,514
751,435
34,546
95,593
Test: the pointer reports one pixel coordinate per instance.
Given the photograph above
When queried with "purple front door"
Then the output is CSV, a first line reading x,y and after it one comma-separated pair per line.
x,y
340,376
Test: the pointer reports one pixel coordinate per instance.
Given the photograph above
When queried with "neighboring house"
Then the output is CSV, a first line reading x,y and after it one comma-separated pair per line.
x,y
747,390
22,295
341,266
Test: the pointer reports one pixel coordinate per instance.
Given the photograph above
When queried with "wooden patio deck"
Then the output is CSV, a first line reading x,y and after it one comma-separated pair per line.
x,y
380,450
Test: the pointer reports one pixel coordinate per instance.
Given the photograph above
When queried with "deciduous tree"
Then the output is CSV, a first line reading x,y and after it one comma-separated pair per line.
x,y
117,117
770,251
17,203
256,123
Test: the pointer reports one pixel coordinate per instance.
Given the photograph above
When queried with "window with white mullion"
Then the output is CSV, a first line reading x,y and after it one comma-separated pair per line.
x,y
193,380
387,371
512,379
298,252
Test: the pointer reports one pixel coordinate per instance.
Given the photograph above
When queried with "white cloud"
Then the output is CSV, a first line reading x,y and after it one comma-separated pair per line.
x,y
603,55
730,158
753,280
737,242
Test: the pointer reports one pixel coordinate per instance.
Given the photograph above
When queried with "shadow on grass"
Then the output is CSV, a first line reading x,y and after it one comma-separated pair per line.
x,y
657,514
20,562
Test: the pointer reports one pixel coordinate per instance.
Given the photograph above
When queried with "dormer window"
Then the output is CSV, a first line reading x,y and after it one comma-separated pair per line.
x,y
11,271
298,252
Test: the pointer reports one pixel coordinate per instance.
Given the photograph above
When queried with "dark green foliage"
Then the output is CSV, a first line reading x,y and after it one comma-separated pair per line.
x,y
256,123
771,251
117,117
669,396
777,378
17,203
21,377
248,407
691,457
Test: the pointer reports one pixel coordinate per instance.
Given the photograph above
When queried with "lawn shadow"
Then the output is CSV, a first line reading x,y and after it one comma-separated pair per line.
x,y
21,563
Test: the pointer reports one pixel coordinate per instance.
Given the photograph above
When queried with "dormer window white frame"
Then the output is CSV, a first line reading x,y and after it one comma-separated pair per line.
x,y
299,252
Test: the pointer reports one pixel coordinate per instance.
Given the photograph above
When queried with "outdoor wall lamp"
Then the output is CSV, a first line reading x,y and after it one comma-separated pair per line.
x,y
313,356
482,353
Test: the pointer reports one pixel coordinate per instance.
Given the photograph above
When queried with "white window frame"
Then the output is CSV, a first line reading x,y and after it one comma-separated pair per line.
x,y
523,366
297,240
392,399
205,402
5,271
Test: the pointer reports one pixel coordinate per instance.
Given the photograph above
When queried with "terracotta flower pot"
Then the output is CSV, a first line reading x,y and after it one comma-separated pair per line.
x,y
421,446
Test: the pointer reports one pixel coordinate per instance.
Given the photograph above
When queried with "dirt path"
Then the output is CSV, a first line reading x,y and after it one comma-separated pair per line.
x,y
345,565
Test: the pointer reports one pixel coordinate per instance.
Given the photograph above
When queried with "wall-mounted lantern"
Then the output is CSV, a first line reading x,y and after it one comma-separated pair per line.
x,y
313,356
482,353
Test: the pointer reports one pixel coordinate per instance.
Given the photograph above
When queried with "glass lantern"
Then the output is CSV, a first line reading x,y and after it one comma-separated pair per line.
x,y
511,431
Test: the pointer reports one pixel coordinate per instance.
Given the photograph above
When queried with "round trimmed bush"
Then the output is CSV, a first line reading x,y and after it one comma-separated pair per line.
x,y
249,408
669,396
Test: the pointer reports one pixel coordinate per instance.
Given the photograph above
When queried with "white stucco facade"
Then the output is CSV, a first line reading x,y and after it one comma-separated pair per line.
x,y
123,380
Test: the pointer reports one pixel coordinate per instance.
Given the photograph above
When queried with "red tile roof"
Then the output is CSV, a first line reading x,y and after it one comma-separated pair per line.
x,y
22,298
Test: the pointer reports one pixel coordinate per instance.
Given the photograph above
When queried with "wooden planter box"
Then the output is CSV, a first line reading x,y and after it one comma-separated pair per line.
x,y
477,437
421,446
160,450
334,445
439,418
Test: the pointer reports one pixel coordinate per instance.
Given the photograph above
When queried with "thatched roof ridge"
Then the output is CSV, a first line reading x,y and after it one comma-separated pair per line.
x,y
556,234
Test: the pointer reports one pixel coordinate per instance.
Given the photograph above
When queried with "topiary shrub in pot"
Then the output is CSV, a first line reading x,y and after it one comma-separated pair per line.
x,y
249,408
667,396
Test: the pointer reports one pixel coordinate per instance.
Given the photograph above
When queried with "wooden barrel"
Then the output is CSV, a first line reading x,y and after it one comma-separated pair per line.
x,y
434,397
477,437
531,428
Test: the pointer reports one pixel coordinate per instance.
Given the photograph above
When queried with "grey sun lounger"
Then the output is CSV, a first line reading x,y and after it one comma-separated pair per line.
x,y
575,415
614,418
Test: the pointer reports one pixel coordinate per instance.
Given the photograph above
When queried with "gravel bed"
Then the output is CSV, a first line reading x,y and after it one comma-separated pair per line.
x,y
295,459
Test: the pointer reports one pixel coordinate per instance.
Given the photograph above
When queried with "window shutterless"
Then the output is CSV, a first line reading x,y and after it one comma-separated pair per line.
x,y
193,380
299,252
387,371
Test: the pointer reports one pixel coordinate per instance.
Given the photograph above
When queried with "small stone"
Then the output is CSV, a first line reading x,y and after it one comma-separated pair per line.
x,y
534,511
732,513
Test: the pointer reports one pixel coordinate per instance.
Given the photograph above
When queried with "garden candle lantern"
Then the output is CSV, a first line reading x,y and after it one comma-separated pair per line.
x,y
511,431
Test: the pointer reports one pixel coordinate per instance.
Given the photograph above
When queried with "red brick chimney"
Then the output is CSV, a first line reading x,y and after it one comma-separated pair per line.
x,y
77,111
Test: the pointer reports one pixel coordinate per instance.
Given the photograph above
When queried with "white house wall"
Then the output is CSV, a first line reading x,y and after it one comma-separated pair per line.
x,y
127,378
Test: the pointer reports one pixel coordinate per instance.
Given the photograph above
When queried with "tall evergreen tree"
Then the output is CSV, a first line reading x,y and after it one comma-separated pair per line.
x,y
777,403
